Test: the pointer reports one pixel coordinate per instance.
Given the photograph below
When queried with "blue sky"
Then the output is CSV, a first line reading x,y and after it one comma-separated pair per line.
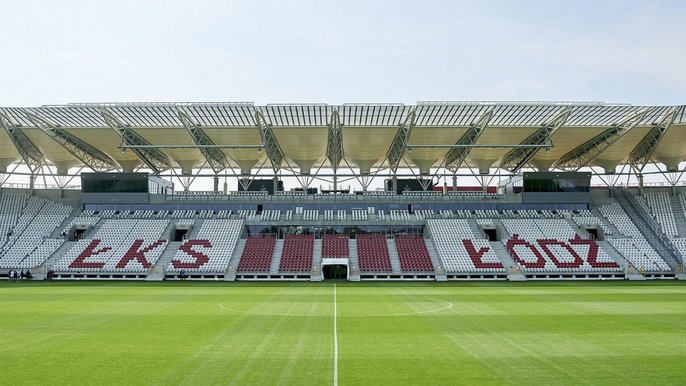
x,y
56,52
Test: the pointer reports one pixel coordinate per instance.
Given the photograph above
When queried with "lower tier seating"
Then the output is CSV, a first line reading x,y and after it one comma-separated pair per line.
x,y
372,253
460,249
120,245
297,253
413,254
335,246
210,250
551,245
257,254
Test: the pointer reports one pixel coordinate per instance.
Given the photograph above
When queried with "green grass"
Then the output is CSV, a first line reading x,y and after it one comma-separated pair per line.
x,y
388,333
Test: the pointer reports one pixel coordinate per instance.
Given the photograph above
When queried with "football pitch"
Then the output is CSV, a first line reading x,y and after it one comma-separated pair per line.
x,y
343,333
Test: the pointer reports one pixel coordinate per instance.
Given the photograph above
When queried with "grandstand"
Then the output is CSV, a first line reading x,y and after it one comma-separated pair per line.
x,y
540,219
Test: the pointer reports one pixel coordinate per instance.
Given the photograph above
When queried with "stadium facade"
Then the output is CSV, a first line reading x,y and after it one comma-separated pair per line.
x,y
532,215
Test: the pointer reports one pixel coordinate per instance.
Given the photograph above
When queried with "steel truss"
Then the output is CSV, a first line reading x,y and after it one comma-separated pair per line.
x,y
334,144
214,156
87,154
517,158
643,152
585,153
397,149
29,152
151,157
271,145
457,155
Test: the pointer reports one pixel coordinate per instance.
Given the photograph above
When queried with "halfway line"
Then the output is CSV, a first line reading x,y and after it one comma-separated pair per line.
x,y
335,339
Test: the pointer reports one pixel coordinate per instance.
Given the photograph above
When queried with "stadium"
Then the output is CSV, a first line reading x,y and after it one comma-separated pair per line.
x,y
405,226
125,206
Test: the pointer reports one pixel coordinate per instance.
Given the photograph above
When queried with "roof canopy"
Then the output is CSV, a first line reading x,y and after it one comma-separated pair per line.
x,y
482,135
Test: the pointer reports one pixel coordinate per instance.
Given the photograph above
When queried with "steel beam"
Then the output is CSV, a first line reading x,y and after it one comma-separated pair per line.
x,y
457,155
87,154
271,145
589,150
334,144
516,158
397,149
151,157
643,152
214,156
29,152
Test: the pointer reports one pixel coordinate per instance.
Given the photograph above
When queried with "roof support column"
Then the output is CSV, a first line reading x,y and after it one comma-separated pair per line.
x,y
334,145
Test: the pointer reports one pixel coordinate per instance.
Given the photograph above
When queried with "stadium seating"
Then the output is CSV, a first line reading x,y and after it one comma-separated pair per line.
x,y
335,246
634,247
210,250
297,253
247,214
661,209
270,215
119,245
413,254
372,253
27,243
586,218
460,249
359,215
551,245
257,254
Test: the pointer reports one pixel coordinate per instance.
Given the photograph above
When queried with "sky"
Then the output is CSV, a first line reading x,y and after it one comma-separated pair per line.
x,y
58,52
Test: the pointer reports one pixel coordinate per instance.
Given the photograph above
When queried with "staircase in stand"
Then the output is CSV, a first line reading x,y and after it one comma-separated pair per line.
x,y
276,257
393,255
235,259
316,273
157,272
353,261
436,260
514,273
679,217
42,270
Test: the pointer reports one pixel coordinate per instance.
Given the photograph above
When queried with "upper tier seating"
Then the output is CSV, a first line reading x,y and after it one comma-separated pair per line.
x,y
257,254
372,253
297,253
335,246
460,249
359,215
270,215
413,254
247,214
210,250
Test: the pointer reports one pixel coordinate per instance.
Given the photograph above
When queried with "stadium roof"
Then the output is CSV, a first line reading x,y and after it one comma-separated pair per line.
x,y
509,135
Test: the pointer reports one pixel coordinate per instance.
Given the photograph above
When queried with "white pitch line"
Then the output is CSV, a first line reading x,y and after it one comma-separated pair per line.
x,y
335,339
